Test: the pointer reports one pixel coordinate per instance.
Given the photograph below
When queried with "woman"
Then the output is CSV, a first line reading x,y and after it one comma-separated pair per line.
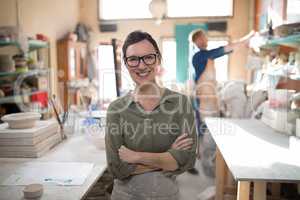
x,y
150,132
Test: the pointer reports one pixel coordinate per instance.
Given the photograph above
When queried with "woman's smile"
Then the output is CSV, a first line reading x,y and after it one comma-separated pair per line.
x,y
144,73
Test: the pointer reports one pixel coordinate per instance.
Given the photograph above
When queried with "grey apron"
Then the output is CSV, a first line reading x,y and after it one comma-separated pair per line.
x,y
147,186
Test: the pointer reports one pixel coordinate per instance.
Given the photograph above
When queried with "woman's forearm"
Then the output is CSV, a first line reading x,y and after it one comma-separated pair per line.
x,y
164,161
140,169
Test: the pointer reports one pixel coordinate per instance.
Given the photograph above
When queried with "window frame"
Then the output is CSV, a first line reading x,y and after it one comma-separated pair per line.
x,y
165,18
166,38
122,19
207,17
98,68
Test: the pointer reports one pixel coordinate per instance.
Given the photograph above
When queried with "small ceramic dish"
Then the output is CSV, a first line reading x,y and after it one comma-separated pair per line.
x,y
33,191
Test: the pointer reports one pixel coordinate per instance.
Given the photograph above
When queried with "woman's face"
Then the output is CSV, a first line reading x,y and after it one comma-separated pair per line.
x,y
141,61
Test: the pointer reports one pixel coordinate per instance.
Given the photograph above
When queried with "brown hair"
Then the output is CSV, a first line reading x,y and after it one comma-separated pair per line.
x,y
137,36
197,34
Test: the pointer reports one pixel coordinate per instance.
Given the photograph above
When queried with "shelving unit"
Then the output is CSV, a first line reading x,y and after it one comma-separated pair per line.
x,y
31,86
35,71
72,63
290,41
33,44
19,98
285,45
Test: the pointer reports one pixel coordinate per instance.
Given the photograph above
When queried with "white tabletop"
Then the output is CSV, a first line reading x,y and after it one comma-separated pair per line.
x,y
94,114
74,149
253,151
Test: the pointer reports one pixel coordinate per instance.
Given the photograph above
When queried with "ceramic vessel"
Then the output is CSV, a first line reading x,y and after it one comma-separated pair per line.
x,y
33,191
21,120
6,63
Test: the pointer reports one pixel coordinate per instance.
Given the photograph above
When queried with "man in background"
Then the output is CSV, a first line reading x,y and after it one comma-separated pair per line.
x,y
206,102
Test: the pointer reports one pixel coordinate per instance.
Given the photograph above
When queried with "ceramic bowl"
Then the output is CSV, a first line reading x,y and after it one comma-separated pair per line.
x,y
33,191
21,120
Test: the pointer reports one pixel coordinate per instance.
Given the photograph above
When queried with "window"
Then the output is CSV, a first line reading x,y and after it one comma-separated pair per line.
x,y
139,9
199,8
106,73
292,13
124,9
169,62
221,64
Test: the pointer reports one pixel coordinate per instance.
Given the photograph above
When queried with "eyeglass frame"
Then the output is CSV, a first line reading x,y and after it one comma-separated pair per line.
x,y
141,58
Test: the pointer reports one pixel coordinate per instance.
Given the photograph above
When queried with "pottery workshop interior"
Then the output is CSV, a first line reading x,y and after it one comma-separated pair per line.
x,y
150,99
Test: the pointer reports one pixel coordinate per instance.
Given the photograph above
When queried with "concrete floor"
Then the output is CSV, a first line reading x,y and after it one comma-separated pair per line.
x,y
192,185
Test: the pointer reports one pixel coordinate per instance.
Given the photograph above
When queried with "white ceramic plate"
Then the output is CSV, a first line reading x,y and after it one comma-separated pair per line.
x,y
21,120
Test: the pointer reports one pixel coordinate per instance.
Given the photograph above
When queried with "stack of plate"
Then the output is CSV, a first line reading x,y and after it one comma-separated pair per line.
x,y
29,142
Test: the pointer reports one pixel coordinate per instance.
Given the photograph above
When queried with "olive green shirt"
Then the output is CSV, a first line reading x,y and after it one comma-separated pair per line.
x,y
129,125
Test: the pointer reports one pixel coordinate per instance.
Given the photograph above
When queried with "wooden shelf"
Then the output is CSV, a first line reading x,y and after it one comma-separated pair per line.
x,y
18,98
37,44
30,72
289,84
292,41
8,43
33,44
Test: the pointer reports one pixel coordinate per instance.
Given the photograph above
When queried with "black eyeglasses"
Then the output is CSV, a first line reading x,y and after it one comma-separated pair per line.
x,y
134,61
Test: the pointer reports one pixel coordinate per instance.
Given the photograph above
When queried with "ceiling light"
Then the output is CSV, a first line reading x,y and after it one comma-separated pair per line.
x,y
158,9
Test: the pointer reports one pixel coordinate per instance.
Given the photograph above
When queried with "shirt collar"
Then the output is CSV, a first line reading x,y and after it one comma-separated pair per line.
x,y
166,98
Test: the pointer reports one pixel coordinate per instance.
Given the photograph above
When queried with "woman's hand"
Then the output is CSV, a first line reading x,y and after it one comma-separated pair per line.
x,y
128,155
183,142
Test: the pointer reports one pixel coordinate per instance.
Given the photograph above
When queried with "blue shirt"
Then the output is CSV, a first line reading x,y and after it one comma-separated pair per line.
x,y
200,59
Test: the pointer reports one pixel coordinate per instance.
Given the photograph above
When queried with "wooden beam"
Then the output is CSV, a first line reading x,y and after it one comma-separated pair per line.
x,y
260,191
275,190
220,175
232,190
229,178
243,190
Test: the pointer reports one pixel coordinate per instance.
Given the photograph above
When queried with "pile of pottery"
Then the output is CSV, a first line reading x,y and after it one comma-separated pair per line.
x,y
24,135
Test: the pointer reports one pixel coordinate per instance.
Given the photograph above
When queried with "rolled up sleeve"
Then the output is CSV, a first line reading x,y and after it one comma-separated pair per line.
x,y
113,141
186,158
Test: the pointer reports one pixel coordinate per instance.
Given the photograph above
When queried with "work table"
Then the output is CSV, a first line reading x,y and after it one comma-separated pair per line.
x,y
255,153
75,149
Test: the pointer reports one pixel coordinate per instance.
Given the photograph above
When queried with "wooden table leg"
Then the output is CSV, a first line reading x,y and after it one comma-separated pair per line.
x,y
243,192
229,180
220,175
260,191
275,190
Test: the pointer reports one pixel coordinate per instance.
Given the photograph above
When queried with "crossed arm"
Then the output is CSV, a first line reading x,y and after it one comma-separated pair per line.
x,y
123,162
155,161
